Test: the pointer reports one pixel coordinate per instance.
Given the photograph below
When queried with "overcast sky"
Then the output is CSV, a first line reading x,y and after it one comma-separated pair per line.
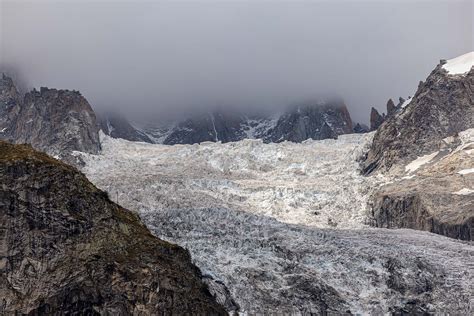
x,y
166,55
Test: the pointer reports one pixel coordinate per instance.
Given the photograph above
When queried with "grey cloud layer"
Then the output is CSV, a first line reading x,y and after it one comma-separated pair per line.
x,y
161,56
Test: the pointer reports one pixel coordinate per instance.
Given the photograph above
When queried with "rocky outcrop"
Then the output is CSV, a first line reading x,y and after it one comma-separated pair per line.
x,y
391,108
442,107
436,196
376,119
66,249
57,122
310,121
438,212
54,121
426,202
426,148
117,126
361,128
10,101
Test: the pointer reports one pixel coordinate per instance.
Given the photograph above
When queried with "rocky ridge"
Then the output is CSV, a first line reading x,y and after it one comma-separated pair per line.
x,y
426,148
309,120
442,106
65,248
57,122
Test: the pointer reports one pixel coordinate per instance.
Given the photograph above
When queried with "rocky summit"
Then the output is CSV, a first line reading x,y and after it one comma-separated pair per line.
x,y
54,121
426,149
10,101
442,107
67,249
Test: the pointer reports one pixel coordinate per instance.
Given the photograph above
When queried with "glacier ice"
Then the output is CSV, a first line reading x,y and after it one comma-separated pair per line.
x,y
283,226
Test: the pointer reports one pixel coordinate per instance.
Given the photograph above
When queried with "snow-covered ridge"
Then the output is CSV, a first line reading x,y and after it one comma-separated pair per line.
x,y
460,65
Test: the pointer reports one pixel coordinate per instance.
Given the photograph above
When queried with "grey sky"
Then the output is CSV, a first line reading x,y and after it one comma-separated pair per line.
x,y
167,55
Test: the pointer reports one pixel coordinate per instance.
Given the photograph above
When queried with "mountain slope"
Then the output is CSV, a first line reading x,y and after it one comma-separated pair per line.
x,y
54,121
117,126
436,194
67,249
442,107
10,101
309,120
425,149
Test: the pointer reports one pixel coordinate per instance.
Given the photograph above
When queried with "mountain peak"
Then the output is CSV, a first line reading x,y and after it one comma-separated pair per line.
x,y
460,65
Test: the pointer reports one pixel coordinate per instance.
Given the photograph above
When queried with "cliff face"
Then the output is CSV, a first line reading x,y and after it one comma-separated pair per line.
x,y
66,248
10,101
311,122
54,121
57,121
216,126
307,121
442,106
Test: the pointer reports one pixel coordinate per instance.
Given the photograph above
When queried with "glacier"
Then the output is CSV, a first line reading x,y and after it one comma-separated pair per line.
x,y
285,226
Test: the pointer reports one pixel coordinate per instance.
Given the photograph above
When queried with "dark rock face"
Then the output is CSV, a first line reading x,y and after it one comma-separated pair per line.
x,y
361,128
437,212
311,122
391,108
441,107
10,101
216,126
117,126
307,121
57,122
54,121
375,119
67,249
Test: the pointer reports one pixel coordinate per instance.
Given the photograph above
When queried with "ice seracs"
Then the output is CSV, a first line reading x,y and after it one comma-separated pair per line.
x,y
460,65
316,183
282,225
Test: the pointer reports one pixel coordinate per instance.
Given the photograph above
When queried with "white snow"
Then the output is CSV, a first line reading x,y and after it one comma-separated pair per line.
x,y
464,191
460,65
466,171
288,181
406,103
420,161
3,130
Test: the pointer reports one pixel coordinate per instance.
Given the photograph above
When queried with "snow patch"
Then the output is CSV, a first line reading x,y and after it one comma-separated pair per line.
x,y
466,171
420,161
464,191
406,103
460,65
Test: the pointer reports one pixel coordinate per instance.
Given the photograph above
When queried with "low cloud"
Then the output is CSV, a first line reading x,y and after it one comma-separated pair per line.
x,y
163,56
